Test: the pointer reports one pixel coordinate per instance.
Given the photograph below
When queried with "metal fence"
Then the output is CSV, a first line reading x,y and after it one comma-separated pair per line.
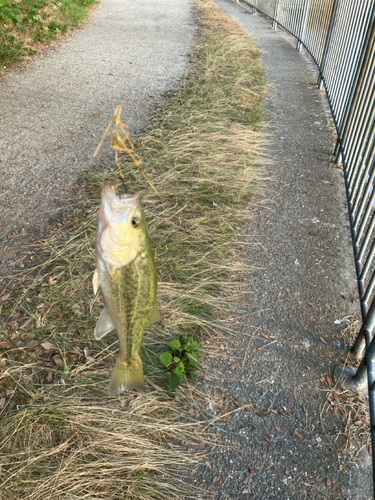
x,y
340,37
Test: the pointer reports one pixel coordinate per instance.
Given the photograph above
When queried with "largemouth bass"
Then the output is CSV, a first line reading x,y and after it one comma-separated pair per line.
x,y
127,276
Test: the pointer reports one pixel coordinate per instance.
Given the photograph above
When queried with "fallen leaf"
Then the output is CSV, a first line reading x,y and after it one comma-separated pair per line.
x,y
370,449
265,336
51,281
222,348
335,408
215,480
31,344
49,377
341,467
304,325
48,346
322,339
310,304
298,434
4,344
277,428
86,352
267,438
347,437
59,362
328,482
5,297
2,403
233,366
4,460
358,422
251,471
224,357
287,413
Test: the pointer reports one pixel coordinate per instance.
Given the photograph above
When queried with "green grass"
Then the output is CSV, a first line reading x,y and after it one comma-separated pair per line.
x,y
27,24
61,435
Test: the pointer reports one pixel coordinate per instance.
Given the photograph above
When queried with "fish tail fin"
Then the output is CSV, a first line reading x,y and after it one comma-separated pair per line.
x,y
126,375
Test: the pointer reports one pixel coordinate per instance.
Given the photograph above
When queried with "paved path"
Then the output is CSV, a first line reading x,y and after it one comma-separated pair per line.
x,y
54,109
301,252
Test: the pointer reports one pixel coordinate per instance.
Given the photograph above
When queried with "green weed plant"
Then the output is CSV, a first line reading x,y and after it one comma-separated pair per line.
x,y
182,360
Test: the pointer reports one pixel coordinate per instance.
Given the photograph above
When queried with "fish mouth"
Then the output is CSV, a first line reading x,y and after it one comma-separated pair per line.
x,y
126,201
128,197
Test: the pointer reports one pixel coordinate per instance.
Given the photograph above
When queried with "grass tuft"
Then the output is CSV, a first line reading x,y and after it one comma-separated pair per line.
x,y
61,435
26,25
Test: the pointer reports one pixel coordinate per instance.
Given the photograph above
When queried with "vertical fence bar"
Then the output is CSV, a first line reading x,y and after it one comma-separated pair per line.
x,y
303,25
327,44
275,14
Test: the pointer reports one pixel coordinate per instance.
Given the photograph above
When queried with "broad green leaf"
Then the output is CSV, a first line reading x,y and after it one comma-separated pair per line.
x,y
179,370
174,381
166,358
175,344
195,345
176,359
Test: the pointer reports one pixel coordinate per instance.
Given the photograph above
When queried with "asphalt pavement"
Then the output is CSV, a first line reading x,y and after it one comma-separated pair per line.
x,y
55,107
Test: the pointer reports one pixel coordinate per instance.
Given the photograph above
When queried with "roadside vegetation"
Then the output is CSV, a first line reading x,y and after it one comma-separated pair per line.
x,y
26,25
61,435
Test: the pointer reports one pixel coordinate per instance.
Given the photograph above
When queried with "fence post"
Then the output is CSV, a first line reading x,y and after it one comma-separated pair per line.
x,y
275,14
303,25
327,44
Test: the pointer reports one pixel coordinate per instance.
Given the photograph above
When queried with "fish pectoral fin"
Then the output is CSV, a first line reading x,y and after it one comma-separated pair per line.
x,y
95,281
104,325
155,316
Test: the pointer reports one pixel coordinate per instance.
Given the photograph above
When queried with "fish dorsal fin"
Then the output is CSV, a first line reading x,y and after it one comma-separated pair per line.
x,y
104,325
155,316
95,281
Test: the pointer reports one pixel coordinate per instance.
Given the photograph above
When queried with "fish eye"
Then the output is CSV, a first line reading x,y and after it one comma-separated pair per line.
x,y
135,222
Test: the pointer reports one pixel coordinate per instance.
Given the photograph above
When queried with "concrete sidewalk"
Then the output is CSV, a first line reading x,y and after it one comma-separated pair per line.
x,y
289,446
55,107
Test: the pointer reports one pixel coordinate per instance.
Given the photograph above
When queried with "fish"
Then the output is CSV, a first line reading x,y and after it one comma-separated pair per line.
x,y
126,273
